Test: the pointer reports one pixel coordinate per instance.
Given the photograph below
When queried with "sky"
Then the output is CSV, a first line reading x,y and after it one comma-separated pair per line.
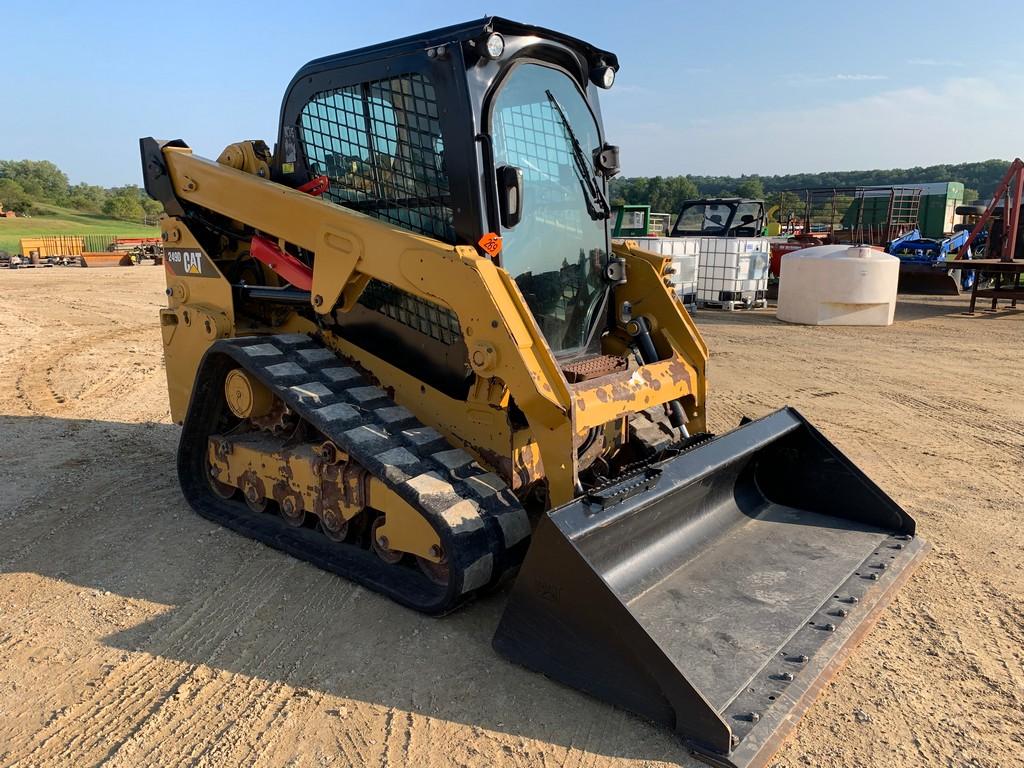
x,y
704,88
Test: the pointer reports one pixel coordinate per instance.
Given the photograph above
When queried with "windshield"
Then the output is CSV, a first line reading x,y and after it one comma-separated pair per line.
x,y
748,220
713,218
557,252
704,218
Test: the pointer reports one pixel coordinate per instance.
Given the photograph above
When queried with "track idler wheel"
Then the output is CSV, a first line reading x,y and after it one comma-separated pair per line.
x,y
379,543
290,505
439,573
333,525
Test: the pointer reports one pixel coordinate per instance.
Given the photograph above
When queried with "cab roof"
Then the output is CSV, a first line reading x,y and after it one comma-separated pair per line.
x,y
458,33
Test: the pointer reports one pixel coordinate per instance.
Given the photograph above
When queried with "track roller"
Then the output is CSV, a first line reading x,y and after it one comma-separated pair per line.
x,y
333,525
292,512
221,490
254,498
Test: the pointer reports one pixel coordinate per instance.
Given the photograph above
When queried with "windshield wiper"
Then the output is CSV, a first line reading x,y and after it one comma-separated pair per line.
x,y
597,203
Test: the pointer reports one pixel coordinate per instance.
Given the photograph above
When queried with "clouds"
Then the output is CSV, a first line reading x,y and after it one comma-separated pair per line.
x,y
841,77
958,120
859,77
945,63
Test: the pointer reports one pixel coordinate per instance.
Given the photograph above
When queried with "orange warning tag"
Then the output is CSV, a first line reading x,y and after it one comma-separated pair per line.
x,y
491,243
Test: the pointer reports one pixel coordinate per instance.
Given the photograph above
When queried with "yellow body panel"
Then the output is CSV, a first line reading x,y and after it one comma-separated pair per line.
x,y
199,312
507,352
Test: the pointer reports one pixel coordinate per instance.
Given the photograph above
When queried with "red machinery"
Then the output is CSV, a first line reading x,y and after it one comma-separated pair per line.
x,y
1004,250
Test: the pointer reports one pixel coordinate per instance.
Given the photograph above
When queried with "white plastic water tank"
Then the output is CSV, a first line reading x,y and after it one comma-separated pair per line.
x,y
838,285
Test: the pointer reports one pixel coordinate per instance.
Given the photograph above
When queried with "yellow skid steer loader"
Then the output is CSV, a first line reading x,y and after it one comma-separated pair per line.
x,y
402,348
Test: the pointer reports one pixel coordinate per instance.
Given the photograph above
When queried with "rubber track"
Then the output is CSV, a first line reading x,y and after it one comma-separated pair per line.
x,y
482,526
652,429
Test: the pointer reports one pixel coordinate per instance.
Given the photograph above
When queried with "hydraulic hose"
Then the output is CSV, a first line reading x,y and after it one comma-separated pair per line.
x,y
640,330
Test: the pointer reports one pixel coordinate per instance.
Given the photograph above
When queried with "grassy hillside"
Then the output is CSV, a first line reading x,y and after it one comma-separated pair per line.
x,y
64,221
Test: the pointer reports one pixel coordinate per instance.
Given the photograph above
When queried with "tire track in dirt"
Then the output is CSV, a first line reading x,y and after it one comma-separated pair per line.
x,y
161,678
127,695
251,709
33,381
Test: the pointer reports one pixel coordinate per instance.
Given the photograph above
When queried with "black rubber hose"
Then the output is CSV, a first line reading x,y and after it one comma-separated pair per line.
x,y
641,332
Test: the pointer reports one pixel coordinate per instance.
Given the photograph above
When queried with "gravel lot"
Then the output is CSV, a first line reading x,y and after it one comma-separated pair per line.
x,y
133,632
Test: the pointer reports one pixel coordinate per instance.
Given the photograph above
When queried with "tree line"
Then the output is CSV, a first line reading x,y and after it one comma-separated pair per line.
x,y
667,193
24,184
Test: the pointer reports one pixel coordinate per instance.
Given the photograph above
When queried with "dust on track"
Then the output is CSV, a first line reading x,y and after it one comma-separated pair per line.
x,y
133,632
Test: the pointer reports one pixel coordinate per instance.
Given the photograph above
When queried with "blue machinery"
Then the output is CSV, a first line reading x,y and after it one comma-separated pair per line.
x,y
925,263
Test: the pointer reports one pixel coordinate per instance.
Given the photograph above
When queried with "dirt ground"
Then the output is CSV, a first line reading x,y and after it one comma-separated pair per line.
x,y
133,632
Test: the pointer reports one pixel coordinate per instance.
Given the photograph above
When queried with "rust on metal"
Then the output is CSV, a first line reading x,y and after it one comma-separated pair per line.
x,y
678,371
276,420
330,495
527,468
283,493
249,479
651,380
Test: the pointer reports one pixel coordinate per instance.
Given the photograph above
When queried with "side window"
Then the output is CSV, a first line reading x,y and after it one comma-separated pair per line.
x,y
692,218
380,143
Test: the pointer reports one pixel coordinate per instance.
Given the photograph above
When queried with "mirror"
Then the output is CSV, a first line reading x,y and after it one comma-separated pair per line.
x,y
606,160
510,195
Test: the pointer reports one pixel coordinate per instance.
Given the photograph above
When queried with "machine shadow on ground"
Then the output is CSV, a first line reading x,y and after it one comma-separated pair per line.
x,y
236,605
921,308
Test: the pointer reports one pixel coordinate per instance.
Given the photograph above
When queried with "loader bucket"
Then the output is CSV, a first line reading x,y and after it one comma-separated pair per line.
x,y
105,259
718,591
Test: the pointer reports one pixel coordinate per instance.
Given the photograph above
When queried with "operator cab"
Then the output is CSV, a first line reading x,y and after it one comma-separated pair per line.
x,y
467,134
720,217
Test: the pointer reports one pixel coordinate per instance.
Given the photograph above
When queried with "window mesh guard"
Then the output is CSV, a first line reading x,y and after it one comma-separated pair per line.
x,y
432,319
380,143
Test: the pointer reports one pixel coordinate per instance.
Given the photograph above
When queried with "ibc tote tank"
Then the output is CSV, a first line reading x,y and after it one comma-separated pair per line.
x,y
838,285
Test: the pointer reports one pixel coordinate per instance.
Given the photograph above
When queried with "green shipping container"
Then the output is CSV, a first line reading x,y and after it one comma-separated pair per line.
x,y
938,206
935,216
